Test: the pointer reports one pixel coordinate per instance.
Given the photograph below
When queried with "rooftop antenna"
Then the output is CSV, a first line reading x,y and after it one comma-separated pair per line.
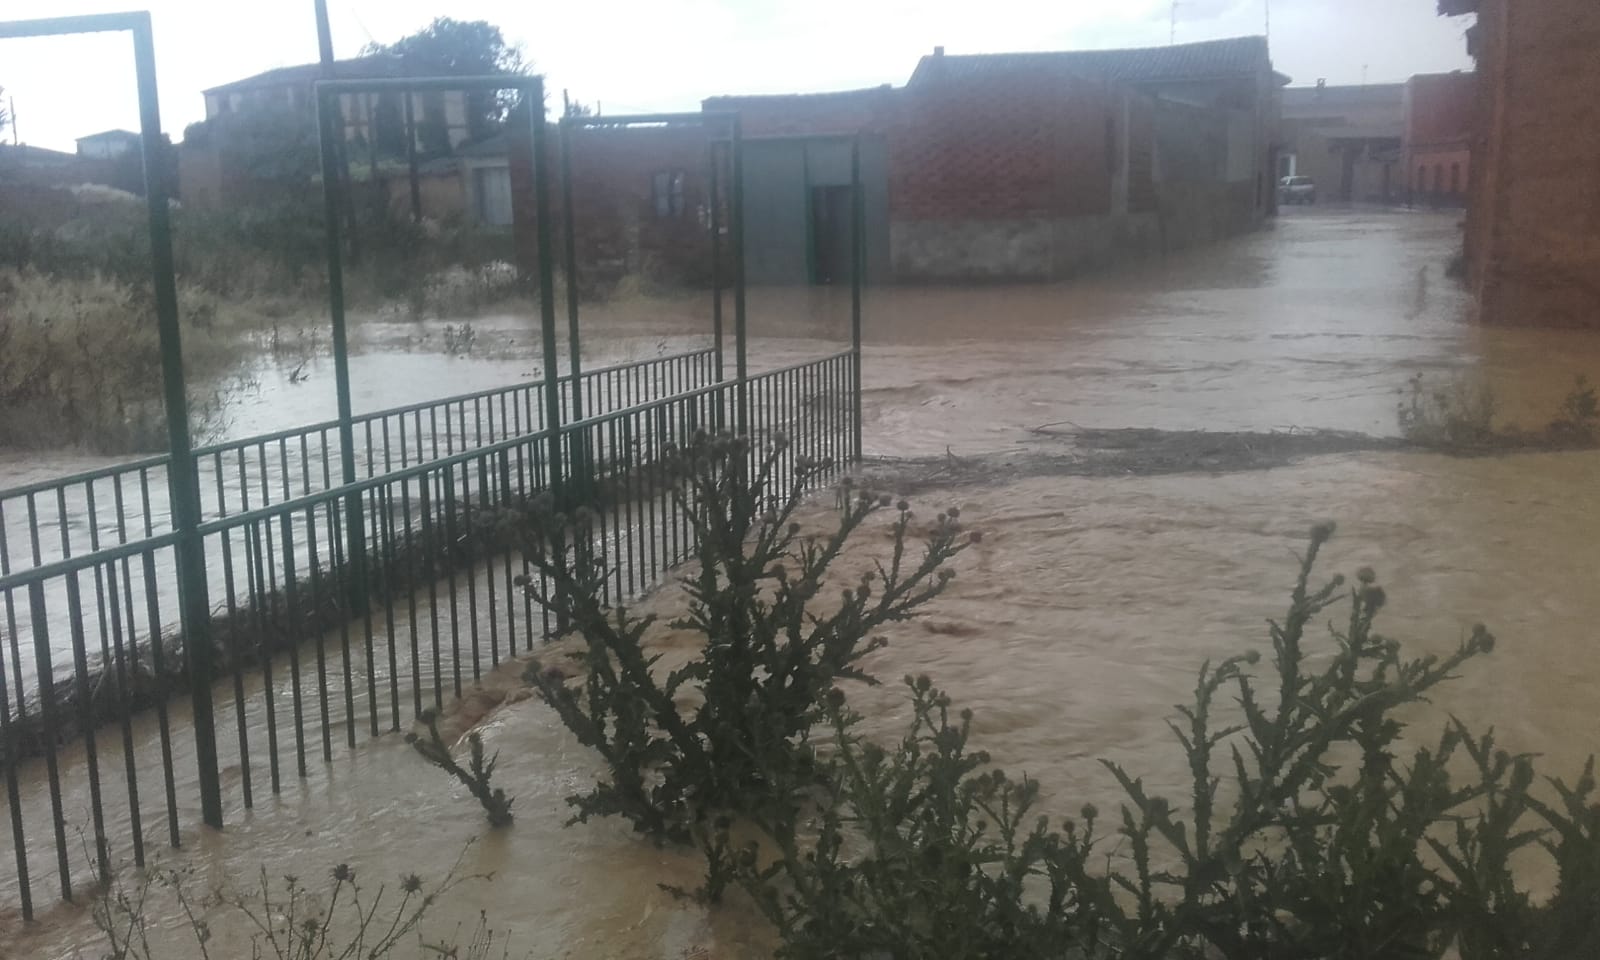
x,y
1267,5
1363,74
1172,37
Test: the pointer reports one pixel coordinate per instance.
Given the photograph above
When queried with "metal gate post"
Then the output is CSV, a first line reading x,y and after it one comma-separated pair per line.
x,y
533,94
714,201
182,482
858,267
332,183
740,334
569,222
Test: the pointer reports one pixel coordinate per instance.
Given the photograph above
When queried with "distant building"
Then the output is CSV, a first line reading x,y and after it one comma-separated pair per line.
x,y
1348,139
108,145
229,160
1017,165
1438,136
293,88
1533,222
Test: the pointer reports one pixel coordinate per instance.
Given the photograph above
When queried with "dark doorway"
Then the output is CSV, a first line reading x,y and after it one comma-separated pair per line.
x,y
831,235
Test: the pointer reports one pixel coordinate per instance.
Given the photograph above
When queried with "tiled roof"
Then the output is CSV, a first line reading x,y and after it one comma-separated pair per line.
x,y
829,98
1212,59
358,68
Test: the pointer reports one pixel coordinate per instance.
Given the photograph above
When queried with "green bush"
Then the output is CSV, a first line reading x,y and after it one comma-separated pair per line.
x,y
770,655
918,850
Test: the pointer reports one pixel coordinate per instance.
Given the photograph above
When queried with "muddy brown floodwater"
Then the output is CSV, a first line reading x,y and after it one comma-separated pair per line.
x,y
1082,616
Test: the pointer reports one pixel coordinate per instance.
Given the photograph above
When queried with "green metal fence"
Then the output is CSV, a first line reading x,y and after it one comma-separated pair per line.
x,y
304,606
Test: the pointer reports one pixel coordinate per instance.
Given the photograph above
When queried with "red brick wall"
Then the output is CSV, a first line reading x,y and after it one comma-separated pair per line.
x,y
1439,108
1533,237
1007,149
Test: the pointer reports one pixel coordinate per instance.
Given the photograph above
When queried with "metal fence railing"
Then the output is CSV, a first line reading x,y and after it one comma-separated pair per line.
x,y
58,519
313,650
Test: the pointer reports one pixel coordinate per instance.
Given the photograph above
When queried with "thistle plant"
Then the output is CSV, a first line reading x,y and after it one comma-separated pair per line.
x,y
475,776
728,732
287,918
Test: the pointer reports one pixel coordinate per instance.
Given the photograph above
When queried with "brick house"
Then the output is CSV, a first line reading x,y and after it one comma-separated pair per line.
x,y
1027,165
1438,136
1533,220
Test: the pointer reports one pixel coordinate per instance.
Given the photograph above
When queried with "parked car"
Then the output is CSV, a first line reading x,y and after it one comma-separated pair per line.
x,y
1297,190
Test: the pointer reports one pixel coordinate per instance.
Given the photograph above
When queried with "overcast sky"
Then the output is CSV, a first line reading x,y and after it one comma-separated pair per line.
x,y
641,55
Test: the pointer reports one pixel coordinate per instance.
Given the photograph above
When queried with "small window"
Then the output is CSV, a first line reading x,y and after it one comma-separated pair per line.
x,y
667,192
1455,178
1422,179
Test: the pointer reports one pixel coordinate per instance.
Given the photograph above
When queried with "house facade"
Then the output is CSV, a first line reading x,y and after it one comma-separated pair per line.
x,y
1349,139
1015,166
1533,221
109,145
1438,136
293,90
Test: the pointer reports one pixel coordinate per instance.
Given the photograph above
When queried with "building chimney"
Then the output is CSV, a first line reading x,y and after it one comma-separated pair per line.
x,y
938,51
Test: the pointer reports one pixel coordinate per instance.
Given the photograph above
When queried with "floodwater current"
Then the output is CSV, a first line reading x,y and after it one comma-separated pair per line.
x,y
1083,615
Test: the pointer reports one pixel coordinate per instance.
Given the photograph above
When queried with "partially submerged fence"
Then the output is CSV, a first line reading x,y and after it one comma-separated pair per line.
x,y
312,585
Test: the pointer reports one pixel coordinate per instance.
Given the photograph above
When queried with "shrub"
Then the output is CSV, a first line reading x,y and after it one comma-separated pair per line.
x,y
1580,411
80,363
920,850
769,653
288,920
1324,844
475,776
1458,414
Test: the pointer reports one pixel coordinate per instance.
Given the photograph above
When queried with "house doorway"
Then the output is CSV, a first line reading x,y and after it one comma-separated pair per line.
x,y
831,235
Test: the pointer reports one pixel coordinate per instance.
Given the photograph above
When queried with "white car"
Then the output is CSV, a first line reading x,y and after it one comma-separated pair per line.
x,y
1297,190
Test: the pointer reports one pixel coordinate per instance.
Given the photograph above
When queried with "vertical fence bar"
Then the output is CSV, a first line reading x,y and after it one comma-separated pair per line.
x,y
182,479
47,722
13,799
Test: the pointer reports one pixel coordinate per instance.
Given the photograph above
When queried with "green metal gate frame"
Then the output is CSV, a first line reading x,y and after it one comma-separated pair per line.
x,y
182,477
189,527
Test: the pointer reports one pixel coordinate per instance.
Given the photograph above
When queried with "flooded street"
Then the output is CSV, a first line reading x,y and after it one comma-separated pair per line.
x,y
1091,602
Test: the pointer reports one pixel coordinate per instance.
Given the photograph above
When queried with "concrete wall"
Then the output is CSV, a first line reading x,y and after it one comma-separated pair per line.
x,y
1029,249
1533,237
